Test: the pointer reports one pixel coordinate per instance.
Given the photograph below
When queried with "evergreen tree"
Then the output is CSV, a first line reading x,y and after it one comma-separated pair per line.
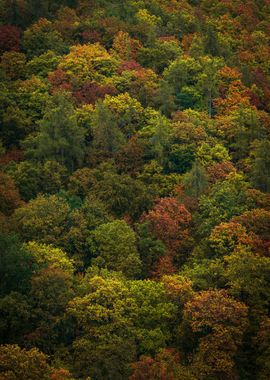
x,y
107,136
60,138
196,180
260,173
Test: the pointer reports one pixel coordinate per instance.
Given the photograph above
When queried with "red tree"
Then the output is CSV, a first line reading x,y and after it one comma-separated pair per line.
x,y
9,38
169,222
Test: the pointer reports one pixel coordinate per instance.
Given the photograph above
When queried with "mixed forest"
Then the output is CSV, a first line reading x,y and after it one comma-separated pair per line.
x,y
134,190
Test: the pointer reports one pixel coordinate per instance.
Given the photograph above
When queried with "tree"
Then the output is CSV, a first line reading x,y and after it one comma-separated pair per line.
x,y
10,38
248,277
169,222
44,219
160,55
160,140
106,134
14,12
83,221
166,98
125,46
15,315
211,42
17,363
209,155
260,171
46,256
16,265
207,81
129,159
51,290
114,245
89,62
226,199
118,319
196,181
31,96
262,345
9,195
28,179
150,249
13,64
43,64
123,195
256,221
219,322
195,81
60,137
165,365
128,113
90,92
226,237
54,177
41,37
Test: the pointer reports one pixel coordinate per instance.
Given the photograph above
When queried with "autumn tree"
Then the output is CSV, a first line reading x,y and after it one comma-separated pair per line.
x,y
9,195
219,322
17,363
165,365
10,38
169,221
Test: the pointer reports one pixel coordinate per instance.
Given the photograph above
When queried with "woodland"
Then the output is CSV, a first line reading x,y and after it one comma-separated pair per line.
x,y
134,190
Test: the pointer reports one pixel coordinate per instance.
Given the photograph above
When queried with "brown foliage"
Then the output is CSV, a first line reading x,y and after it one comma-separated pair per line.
x,y
9,195
10,37
169,222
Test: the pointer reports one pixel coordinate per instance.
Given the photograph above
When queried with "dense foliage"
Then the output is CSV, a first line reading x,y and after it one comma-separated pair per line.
x,y
134,190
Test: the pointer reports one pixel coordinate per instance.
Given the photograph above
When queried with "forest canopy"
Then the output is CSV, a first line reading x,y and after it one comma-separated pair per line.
x,y
134,190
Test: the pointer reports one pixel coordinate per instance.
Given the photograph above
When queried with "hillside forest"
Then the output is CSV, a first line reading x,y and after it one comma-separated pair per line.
x,y
134,190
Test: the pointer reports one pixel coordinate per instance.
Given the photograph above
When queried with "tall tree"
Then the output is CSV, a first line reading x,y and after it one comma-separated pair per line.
x,y
107,136
196,180
60,137
260,172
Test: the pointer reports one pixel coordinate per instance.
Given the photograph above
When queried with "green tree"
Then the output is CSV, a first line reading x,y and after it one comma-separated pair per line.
x,y
114,245
118,320
196,181
16,265
43,64
209,155
248,276
122,194
51,290
226,199
150,249
46,256
260,171
28,178
41,37
106,134
44,219
60,137
160,140
15,315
